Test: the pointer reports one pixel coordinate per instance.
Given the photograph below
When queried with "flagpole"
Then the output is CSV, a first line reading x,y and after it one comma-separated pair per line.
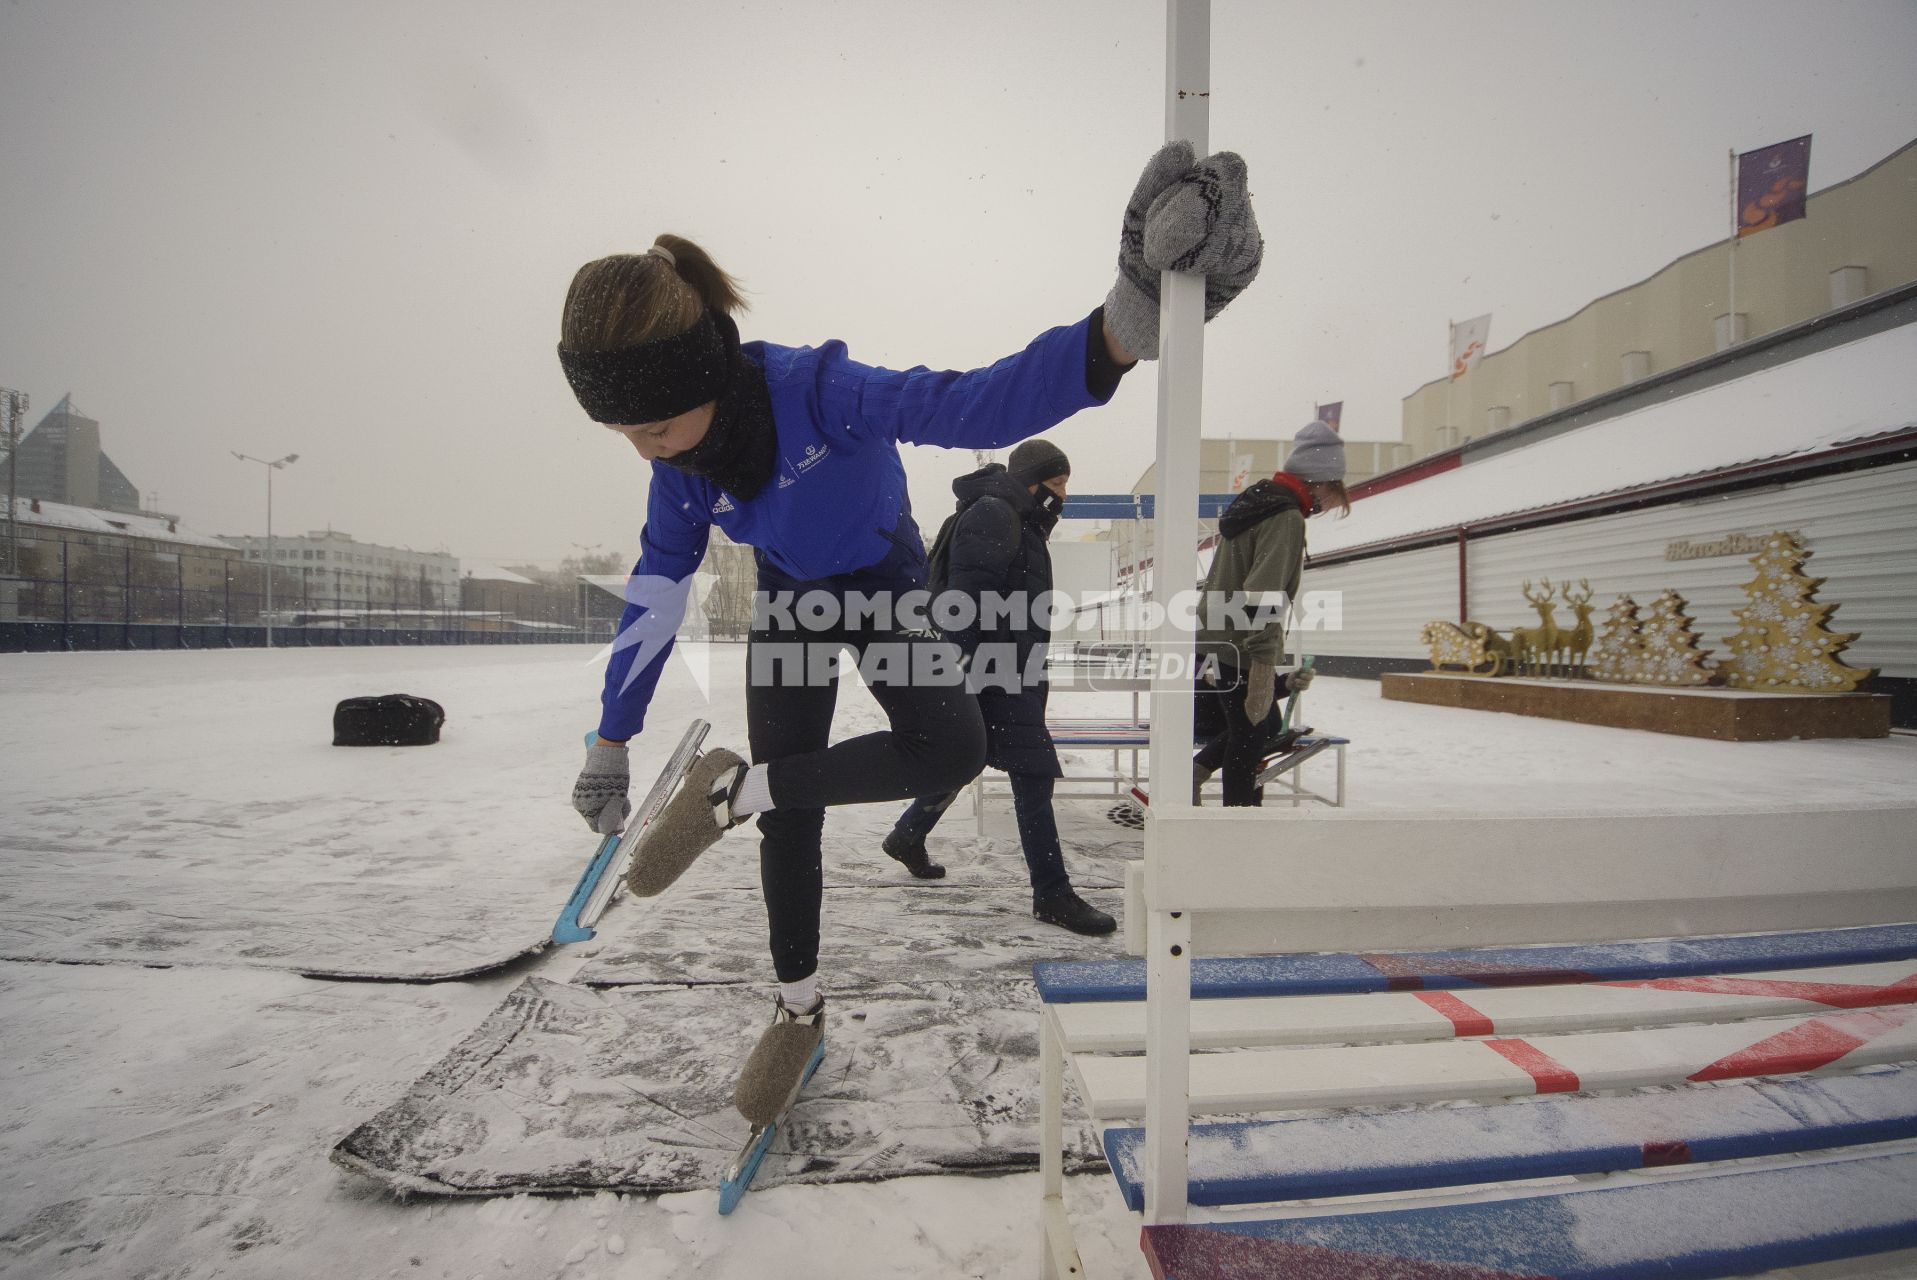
x,y
1450,370
1730,320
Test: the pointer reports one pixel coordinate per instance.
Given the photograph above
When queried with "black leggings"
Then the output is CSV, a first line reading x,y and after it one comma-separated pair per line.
x,y
936,744
1237,745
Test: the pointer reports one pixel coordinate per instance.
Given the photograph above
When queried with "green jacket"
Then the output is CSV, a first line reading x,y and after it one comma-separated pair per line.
x,y
1261,548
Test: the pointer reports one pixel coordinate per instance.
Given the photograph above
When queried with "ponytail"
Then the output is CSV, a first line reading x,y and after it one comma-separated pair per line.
x,y
634,298
695,266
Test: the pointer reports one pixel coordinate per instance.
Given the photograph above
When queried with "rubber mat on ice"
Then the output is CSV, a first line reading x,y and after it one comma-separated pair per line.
x,y
570,1089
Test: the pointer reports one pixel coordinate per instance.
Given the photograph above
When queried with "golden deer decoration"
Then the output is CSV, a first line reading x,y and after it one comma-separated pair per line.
x,y
1576,643
1534,648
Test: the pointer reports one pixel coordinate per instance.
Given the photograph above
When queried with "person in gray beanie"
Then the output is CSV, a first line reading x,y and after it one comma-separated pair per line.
x,y
1317,455
1261,550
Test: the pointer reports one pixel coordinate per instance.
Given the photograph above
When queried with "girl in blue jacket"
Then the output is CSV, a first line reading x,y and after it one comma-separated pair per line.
x,y
794,452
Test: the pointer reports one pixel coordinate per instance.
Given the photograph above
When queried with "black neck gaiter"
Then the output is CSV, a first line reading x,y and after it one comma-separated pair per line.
x,y
741,448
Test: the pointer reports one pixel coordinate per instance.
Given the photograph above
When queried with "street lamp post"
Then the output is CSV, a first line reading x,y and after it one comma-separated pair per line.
x,y
271,467
14,405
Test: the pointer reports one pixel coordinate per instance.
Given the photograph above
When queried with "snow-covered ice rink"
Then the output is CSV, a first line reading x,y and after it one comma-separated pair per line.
x,y
182,843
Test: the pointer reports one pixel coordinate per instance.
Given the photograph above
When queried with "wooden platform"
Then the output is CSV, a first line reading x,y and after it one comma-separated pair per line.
x,y
1729,715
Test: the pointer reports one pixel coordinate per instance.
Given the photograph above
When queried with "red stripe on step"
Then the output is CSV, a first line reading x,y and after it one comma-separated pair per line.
x,y
1550,1075
1811,1044
1675,1151
1465,1020
1177,1251
1838,995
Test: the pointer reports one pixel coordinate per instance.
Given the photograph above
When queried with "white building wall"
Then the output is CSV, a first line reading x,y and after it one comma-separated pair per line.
x,y
1860,526
1384,603
336,568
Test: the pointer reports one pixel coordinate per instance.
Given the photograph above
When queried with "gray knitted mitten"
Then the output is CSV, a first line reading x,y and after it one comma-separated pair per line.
x,y
1183,216
1131,308
1205,225
1261,687
600,793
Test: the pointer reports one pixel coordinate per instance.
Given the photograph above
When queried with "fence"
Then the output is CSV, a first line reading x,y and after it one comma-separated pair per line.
x,y
64,594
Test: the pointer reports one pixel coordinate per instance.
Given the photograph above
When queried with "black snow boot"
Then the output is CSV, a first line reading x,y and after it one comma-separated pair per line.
x,y
911,855
1067,910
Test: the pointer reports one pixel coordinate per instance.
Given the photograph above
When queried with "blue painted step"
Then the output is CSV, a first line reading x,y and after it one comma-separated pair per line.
x,y
1697,1228
1358,1154
1331,973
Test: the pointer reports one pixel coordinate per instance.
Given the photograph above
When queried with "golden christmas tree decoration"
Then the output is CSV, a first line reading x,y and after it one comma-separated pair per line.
x,y
1670,652
1782,644
1619,654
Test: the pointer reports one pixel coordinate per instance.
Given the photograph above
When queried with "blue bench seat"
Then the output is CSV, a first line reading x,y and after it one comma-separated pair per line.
x,y
1328,973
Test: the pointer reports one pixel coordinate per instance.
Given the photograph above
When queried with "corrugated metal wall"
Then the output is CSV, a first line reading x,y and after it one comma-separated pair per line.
x,y
1861,527
1385,603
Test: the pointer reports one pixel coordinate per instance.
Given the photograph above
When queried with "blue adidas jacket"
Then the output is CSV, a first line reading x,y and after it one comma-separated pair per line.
x,y
835,513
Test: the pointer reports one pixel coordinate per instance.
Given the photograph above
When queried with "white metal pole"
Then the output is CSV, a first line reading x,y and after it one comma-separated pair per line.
x,y
1181,351
1181,372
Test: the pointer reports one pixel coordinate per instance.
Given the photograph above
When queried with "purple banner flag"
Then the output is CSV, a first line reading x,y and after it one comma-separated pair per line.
x,y
1770,185
1329,414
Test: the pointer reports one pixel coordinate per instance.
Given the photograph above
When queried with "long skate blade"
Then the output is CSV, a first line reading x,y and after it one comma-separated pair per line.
x,y
663,786
1289,761
606,873
570,926
737,1178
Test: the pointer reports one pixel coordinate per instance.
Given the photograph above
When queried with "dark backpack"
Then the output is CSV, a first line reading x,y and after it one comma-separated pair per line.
x,y
389,720
938,561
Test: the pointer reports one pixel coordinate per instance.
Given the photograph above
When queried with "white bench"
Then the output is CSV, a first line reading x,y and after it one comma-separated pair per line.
x,y
1133,737
1425,1050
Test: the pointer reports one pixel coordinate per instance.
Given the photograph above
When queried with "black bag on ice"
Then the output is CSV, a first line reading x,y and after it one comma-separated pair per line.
x,y
390,720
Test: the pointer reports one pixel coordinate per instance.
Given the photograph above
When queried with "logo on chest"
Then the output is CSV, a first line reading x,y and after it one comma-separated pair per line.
x,y
814,455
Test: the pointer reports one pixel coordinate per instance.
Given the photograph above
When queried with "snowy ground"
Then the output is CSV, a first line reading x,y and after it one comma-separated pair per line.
x,y
178,824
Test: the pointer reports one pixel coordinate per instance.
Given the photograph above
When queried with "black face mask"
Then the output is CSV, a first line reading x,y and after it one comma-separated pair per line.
x,y
740,448
1049,501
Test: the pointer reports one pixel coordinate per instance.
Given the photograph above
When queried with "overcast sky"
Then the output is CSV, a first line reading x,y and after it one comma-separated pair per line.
x,y
345,229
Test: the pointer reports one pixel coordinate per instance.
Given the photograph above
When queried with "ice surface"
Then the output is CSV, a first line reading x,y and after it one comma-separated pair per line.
x,y
566,1088
177,1122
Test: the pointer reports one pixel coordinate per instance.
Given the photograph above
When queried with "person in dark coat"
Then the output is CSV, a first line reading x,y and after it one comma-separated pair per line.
x,y
1261,552
997,551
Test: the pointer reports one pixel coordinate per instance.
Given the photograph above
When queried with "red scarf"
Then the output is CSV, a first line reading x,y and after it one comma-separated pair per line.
x,y
1298,489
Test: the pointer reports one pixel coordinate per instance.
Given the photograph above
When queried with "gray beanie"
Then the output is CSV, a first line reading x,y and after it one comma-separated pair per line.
x,y
1317,454
1036,461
